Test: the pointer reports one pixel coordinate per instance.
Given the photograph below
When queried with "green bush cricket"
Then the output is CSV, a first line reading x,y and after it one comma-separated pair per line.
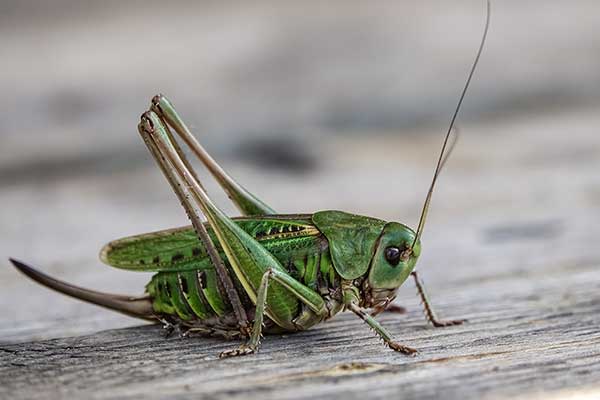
x,y
285,273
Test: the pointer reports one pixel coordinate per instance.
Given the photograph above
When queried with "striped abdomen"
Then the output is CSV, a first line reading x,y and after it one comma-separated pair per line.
x,y
186,286
193,295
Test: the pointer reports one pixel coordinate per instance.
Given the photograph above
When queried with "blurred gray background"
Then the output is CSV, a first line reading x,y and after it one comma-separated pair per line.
x,y
311,106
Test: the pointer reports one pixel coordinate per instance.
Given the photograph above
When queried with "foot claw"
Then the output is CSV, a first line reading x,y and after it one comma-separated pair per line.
x,y
243,350
183,331
452,322
402,349
168,329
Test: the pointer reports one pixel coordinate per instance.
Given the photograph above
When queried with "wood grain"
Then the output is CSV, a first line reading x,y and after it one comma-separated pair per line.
x,y
527,281
515,342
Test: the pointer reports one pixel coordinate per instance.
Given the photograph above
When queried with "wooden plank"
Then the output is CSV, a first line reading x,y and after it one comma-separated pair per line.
x,y
516,342
505,248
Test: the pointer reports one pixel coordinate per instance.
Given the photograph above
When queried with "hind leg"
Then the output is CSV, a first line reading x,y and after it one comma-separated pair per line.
x,y
245,201
183,194
249,260
207,331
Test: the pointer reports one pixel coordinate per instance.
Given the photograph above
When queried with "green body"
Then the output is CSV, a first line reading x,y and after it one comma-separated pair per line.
x,y
284,273
186,288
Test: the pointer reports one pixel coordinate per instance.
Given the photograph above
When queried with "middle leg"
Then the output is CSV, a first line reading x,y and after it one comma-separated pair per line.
x,y
304,294
429,313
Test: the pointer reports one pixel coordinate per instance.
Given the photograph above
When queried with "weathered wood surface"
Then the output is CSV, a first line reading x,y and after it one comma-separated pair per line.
x,y
512,240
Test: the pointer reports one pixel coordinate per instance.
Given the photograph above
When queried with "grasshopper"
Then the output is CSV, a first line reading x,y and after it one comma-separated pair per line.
x,y
283,272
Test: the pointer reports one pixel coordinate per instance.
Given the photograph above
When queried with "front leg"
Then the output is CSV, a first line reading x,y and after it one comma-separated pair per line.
x,y
427,305
381,331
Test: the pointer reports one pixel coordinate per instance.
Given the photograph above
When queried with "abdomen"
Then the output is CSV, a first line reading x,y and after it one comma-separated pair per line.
x,y
186,288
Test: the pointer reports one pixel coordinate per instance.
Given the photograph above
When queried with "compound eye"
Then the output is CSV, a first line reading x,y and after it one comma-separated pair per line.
x,y
393,255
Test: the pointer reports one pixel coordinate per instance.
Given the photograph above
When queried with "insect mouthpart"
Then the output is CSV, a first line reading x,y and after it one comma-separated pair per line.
x,y
380,298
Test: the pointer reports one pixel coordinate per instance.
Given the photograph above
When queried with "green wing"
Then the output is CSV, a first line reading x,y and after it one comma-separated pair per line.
x,y
168,250
179,249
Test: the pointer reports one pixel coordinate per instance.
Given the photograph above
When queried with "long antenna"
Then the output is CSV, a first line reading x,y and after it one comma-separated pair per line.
x,y
442,159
